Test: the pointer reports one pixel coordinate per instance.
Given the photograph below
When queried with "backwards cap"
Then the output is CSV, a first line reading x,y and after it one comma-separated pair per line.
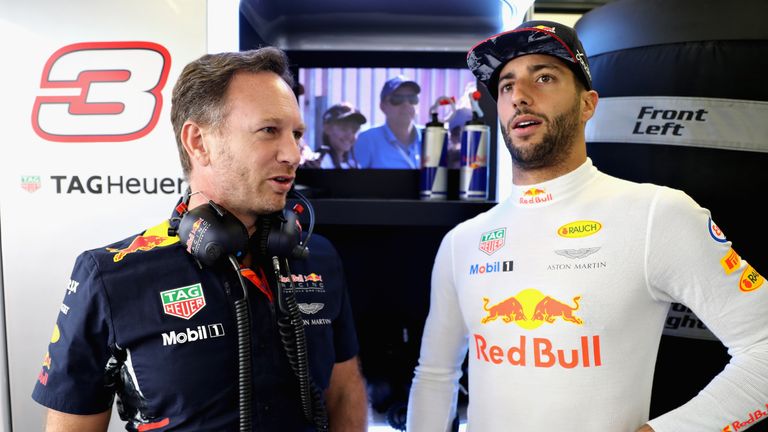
x,y
487,58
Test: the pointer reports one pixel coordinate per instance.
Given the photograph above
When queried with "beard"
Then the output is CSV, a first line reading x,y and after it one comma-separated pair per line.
x,y
555,144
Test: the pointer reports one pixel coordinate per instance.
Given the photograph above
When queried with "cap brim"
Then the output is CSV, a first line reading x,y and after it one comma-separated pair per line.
x,y
355,117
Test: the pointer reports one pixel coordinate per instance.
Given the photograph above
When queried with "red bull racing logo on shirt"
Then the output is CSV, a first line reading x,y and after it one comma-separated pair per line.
x,y
530,309
578,229
154,237
754,417
183,302
492,241
535,196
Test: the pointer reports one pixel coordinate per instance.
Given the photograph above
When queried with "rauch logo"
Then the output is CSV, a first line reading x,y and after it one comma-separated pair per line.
x,y
578,229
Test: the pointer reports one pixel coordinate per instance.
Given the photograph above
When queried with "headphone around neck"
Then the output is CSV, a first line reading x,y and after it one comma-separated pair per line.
x,y
211,233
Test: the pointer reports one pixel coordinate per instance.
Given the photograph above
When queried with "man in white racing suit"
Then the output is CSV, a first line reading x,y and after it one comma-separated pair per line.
x,y
560,293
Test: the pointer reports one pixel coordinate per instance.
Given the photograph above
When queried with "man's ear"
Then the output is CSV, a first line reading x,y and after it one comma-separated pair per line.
x,y
194,144
589,104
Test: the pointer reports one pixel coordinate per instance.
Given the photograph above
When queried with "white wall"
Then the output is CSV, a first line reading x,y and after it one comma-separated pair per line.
x,y
44,229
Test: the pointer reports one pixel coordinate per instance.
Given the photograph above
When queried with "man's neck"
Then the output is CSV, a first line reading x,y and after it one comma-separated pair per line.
x,y
403,133
527,176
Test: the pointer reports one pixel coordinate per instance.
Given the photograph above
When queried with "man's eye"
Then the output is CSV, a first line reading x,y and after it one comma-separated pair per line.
x,y
546,78
298,135
271,130
505,88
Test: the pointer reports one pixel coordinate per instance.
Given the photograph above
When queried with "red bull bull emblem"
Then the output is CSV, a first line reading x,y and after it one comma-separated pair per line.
x,y
530,309
183,302
535,196
731,261
492,241
154,237
576,229
750,279
313,277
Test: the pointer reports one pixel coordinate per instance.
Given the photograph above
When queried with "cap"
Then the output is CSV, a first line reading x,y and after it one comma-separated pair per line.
x,y
487,58
459,118
343,111
395,83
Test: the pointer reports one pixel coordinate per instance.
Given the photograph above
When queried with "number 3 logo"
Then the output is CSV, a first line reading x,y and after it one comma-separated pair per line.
x,y
101,91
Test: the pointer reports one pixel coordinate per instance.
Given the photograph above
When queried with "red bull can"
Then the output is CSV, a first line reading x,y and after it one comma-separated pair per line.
x,y
433,178
473,173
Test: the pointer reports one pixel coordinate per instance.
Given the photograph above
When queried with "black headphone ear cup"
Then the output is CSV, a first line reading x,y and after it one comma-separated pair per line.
x,y
209,235
278,234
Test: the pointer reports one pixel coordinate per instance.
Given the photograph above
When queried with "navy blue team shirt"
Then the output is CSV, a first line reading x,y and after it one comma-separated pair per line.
x,y
141,320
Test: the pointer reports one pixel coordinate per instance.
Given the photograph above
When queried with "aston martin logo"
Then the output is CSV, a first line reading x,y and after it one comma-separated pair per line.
x,y
577,253
310,308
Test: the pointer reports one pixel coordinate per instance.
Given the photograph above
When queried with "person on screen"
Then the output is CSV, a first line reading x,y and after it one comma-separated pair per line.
x,y
396,143
341,122
559,294
190,325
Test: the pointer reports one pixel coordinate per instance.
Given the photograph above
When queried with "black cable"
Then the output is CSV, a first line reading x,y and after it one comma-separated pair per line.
x,y
291,325
243,321
311,211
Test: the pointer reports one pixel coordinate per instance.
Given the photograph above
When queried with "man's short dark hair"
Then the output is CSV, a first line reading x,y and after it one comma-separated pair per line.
x,y
199,92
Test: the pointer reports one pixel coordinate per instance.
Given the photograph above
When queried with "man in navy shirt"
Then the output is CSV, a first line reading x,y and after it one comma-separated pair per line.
x,y
155,325
396,143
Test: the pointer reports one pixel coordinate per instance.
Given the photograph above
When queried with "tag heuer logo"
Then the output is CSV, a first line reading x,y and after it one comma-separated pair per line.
x,y
30,183
492,241
183,302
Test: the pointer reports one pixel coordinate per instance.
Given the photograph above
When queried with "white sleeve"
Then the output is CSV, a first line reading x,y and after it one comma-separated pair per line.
x,y
434,391
690,261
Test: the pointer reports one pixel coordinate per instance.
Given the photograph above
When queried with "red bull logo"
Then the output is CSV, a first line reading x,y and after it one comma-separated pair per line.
x,y
156,236
47,360
543,354
530,308
750,279
731,261
535,196
576,229
754,417
492,241
312,277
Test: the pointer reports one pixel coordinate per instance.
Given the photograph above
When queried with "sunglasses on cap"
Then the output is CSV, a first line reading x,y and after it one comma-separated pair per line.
x,y
398,99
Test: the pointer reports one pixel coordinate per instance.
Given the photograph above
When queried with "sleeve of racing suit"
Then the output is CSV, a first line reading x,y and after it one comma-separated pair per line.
x,y
74,367
690,261
434,391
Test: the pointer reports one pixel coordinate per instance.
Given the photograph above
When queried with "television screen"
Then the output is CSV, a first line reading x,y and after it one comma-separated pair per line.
x,y
360,89
355,79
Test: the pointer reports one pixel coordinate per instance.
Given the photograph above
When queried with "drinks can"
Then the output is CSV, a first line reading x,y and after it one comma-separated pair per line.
x,y
473,174
433,178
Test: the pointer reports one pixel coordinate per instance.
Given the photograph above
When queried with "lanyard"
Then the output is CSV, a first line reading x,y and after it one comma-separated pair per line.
x,y
259,280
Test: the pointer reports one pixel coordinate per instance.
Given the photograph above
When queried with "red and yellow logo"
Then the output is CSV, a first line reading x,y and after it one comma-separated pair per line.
x,y
154,237
530,309
750,279
576,229
731,261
